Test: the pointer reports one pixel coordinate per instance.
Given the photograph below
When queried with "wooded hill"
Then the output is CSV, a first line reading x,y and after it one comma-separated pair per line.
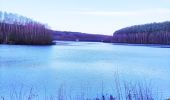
x,y
16,29
154,33
78,36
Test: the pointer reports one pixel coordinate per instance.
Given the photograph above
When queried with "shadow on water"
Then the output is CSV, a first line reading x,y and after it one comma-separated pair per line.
x,y
145,45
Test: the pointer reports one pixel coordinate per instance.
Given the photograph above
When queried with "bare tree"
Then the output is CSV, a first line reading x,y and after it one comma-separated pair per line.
x,y
15,29
154,33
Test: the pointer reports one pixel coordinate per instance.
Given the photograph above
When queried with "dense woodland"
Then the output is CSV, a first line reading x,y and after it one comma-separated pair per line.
x,y
15,29
154,33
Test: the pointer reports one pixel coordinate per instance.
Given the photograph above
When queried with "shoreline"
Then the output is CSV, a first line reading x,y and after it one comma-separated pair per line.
x,y
147,45
67,42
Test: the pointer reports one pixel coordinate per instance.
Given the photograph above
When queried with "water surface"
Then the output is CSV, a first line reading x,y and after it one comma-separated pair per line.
x,y
81,68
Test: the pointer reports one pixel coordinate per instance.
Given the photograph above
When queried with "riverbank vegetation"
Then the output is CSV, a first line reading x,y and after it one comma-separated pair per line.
x,y
16,29
125,91
154,33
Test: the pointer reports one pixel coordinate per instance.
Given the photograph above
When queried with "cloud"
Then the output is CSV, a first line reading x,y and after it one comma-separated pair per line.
x,y
166,0
149,12
102,13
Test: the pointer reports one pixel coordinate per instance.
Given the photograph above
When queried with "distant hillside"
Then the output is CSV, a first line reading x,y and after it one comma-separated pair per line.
x,y
77,36
154,33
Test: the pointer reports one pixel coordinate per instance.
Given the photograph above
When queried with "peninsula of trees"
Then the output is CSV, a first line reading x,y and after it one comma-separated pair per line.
x,y
15,29
154,33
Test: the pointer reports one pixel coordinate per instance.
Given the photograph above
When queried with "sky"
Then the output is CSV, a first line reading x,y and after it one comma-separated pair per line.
x,y
90,16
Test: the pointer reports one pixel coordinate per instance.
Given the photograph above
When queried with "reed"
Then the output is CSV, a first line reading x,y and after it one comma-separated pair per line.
x,y
122,91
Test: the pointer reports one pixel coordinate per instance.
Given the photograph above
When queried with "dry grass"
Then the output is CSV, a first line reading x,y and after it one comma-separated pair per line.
x,y
123,91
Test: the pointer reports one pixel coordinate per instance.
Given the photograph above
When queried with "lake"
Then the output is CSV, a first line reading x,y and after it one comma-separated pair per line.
x,y
80,68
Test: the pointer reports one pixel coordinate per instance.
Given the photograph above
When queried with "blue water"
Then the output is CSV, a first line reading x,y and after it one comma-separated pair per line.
x,y
77,68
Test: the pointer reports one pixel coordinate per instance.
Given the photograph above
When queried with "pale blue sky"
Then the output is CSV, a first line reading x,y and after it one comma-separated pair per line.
x,y
91,16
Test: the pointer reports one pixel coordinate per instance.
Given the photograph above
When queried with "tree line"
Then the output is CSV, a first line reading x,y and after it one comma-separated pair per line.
x,y
16,29
153,33
78,36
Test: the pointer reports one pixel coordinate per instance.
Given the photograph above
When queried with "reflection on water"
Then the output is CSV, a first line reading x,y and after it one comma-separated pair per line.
x,y
81,66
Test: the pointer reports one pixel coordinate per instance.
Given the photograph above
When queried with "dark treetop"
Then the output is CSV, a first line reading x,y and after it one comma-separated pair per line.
x,y
154,33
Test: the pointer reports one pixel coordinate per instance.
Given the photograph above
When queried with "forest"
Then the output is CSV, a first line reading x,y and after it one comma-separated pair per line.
x,y
16,29
153,33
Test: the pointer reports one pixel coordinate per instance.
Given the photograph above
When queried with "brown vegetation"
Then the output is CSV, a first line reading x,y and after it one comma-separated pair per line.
x,y
154,33
15,29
